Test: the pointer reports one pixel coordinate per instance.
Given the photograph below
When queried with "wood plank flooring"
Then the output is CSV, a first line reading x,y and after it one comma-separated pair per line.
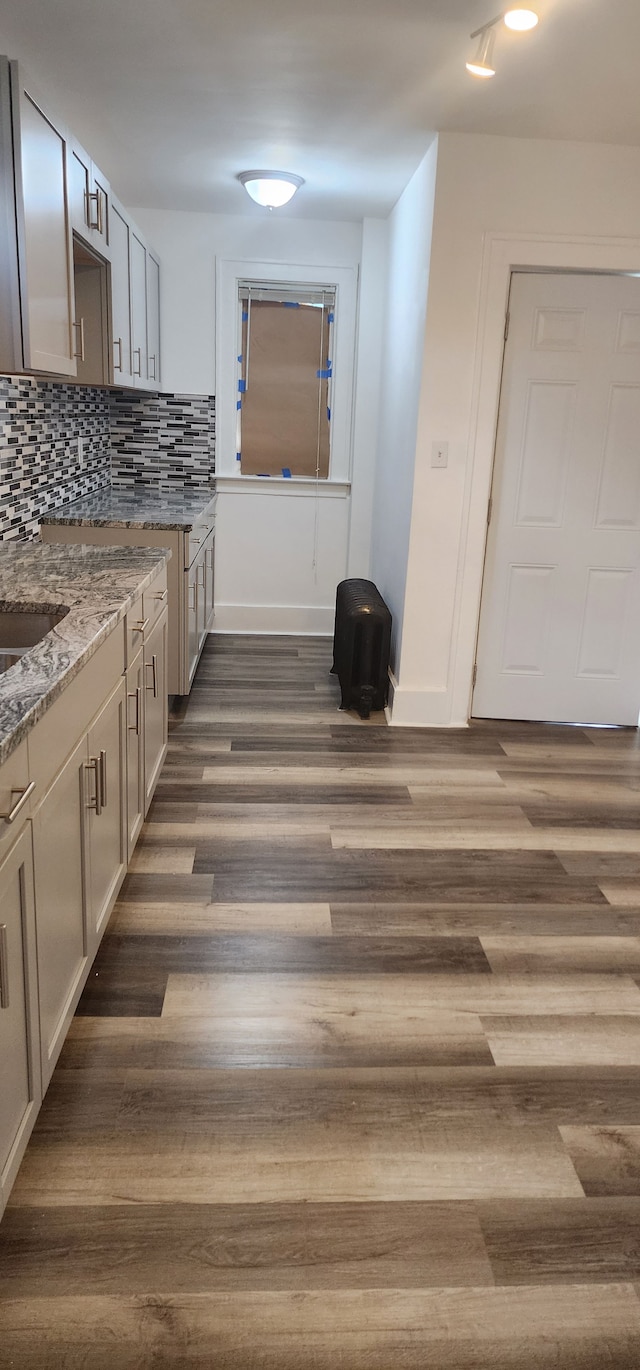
x,y
355,1080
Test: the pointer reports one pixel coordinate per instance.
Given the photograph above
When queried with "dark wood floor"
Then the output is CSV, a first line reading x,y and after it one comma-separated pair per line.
x,y
355,1081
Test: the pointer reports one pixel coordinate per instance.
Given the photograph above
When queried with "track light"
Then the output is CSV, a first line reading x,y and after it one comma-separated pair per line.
x,y
517,19
481,64
521,20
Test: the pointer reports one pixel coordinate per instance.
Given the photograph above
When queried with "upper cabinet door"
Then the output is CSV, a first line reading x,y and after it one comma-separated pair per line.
x,y
138,259
49,345
88,199
121,295
153,320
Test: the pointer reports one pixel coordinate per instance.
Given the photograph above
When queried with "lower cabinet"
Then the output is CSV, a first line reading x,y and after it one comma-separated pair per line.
x,y
59,851
20,1090
80,857
106,813
155,704
135,751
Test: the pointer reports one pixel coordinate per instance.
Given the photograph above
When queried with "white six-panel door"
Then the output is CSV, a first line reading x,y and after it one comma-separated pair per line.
x,y
559,631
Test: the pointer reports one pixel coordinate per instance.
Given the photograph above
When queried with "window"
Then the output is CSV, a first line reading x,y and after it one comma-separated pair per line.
x,y
284,380
320,291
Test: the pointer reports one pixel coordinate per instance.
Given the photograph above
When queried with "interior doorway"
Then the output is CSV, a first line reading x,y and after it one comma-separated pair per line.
x,y
559,633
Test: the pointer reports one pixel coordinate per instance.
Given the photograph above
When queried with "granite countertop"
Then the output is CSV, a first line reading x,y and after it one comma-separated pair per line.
x,y
96,584
139,508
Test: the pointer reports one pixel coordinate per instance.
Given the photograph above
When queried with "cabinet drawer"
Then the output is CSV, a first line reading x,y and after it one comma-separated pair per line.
x,y
135,630
14,797
154,600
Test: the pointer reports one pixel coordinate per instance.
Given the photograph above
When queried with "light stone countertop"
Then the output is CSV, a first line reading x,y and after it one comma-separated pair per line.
x,y
96,584
135,508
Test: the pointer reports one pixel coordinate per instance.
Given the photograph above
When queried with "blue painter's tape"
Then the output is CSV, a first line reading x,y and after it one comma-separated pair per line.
x,y
242,385
240,357
325,374
290,304
238,404
286,472
264,475
329,362
331,318
245,316
238,456
328,413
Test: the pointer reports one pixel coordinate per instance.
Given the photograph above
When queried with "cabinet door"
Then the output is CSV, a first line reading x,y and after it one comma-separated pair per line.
x,y
20,1090
139,309
155,707
153,319
209,583
120,296
58,829
106,816
193,589
79,173
135,751
47,239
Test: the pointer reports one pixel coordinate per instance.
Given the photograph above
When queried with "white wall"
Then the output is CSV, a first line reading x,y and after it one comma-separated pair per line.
x,y
268,578
406,302
500,202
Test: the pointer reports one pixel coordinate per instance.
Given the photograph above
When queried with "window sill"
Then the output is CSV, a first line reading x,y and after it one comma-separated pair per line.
x,y
301,486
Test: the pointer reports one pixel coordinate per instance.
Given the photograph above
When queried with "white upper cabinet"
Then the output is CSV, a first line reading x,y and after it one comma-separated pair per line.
x,y
120,233
153,319
55,205
89,197
48,333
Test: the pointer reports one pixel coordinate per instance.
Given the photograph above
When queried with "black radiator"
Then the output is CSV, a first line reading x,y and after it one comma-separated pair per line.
x,y
361,644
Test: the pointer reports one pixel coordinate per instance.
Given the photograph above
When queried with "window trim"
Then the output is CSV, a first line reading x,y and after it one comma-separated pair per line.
x,y
229,275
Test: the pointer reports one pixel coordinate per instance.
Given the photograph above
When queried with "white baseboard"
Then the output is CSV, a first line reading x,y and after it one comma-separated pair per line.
x,y
409,708
305,620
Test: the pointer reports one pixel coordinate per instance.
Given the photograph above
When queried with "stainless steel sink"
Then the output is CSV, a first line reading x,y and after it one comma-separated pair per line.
x,y
22,629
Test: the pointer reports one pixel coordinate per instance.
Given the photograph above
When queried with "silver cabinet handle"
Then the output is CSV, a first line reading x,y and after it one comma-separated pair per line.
x,y
152,358
137,351
140,626
117,366
96,803
192,607
97,223
80,354
137,695
103,779
4,967
23,796
160,594
153,665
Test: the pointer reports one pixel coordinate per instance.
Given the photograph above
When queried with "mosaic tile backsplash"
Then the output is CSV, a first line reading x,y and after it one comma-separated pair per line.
x,y
162,439
41,466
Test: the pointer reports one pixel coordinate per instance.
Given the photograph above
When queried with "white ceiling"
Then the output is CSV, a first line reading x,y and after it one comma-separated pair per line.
x,y
174,97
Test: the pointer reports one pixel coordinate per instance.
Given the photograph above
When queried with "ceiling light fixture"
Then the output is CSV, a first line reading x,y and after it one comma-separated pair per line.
x,y
518,19
271,189
481,64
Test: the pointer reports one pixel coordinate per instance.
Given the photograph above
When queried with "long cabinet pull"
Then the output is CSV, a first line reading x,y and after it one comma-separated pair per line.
x,y
103,779
117,365
97,223
153,666
137,695
160,594
80,354
23,796
96,803
140,626
137,351
4,967
152,358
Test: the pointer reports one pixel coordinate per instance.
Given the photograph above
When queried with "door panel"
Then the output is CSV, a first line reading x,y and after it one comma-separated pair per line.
x,y
561,591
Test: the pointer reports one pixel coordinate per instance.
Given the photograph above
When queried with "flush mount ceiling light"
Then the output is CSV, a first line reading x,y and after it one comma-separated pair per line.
x,y
517,19
271,189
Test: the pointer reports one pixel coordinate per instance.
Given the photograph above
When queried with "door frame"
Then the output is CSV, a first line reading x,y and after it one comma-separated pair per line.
x,y
504,253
